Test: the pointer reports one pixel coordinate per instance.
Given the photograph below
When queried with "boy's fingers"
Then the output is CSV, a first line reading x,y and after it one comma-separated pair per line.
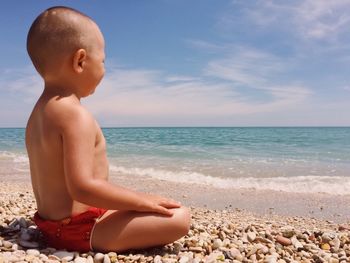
x,y
164,211
170,204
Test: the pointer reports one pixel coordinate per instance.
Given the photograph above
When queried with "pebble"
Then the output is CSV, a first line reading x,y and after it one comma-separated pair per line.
x,y
283,240
7,244
157,259
288,232
251,236
325,246
80,260
89,259
106,259
33,252
27,244
217,243
64,255
99,257
184,259
296,243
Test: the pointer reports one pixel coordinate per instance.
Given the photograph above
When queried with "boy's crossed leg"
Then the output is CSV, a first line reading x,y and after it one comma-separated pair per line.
x,y
124,230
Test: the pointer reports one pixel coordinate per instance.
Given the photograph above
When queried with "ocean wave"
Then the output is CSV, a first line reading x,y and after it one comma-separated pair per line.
x,y
19,158
336,185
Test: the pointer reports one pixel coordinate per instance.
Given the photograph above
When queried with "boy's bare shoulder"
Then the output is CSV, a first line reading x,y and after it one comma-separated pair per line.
x,y
68,113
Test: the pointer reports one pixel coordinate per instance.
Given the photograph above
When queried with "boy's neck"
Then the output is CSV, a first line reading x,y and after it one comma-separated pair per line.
x,y
59,90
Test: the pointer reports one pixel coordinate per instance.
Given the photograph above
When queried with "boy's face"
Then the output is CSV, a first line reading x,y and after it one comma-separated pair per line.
x,y
94,67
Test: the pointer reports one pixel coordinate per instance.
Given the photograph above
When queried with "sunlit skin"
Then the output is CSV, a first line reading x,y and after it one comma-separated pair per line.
x,y
69,166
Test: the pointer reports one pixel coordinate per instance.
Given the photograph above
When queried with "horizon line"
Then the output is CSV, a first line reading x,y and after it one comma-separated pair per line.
x,y
239,126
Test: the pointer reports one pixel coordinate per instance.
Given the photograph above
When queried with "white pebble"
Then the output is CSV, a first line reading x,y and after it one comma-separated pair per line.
x,y
184,259
43,257
79,260
217,243
33,252
7,244
15,247
106,259
89,259
157,259
99,257
251,236
64,255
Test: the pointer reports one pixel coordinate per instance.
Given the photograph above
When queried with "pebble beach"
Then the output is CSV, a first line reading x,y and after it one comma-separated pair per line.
x,y
216,235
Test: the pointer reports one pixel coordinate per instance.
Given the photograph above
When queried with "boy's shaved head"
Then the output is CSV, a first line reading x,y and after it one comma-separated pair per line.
x,y
56,32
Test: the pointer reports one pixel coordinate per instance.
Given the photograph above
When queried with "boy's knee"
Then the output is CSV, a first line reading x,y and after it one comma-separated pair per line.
x,y
183,220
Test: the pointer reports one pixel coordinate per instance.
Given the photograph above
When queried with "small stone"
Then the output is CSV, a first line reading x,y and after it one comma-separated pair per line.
x,y
251,236
233,253
33,252
98,257
283,240
43,257
270,259
23,222
53,257
89,259
177,247
29,258
288,232
14,247
296,243
25,236
80,260
214,257
7,244
336,244
64,255
28,244
333,260
106,259
157,259
326,237
325,246
184,259
217,243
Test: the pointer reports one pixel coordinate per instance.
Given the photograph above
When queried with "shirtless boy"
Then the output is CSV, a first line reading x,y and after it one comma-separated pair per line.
x,y
78,209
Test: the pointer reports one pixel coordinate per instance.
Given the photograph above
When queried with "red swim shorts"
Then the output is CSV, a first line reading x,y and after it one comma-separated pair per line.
x,y
72,233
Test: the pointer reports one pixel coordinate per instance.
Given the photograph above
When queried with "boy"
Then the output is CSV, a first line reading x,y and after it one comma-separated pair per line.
x,y
78,209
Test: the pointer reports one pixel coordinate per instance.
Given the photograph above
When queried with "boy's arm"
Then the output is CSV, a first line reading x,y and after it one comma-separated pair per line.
x,y
79,137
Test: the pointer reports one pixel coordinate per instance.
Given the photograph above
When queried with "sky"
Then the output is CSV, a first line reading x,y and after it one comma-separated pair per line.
x,y
198,62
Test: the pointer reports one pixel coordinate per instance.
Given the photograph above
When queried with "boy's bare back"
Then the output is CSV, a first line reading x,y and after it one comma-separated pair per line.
x,y
44,138
67,150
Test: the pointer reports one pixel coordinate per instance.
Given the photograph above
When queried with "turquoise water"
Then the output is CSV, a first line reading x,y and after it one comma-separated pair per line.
x,y
288,159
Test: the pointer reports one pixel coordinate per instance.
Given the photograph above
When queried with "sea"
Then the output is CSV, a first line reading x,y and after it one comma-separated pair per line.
x,y
291,159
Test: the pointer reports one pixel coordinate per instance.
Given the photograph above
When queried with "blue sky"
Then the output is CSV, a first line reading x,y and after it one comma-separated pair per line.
x,y
198,62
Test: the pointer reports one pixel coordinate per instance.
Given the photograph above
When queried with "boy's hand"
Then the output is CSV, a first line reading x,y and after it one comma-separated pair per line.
x,y
158,204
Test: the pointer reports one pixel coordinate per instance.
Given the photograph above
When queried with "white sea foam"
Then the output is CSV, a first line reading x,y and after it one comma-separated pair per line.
x,y
336,185
19,158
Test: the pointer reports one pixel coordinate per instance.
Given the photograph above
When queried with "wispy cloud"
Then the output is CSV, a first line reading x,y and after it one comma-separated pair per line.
x,y
246,66
309,19
24,83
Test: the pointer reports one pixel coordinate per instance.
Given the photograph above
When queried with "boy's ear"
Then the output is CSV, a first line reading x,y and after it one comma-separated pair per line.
x,y
79,60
